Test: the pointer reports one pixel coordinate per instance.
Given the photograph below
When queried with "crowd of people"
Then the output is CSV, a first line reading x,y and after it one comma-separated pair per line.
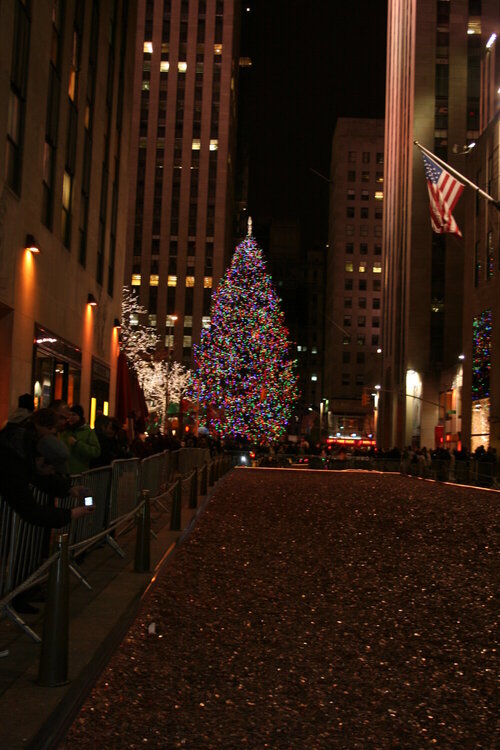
x,y
43,448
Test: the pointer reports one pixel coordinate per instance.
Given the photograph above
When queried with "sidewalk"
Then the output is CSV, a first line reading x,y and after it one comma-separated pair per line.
x,y
30,715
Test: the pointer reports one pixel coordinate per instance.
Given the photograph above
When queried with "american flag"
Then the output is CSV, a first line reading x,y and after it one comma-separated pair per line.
x,y
444,192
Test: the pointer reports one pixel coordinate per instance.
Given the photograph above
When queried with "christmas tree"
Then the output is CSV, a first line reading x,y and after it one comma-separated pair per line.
x,y
244,376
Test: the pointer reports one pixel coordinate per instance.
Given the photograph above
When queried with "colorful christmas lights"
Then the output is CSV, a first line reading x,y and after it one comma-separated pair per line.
x,y
244,377
481,355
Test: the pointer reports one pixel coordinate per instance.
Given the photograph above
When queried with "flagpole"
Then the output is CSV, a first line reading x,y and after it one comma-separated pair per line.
x,y
459,175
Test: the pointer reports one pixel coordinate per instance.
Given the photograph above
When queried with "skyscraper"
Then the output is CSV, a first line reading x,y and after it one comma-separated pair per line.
x,y
66,108
182,157
354,273
433,96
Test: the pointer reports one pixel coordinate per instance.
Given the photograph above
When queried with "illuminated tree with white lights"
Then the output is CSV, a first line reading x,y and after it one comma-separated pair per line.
x,y
162,381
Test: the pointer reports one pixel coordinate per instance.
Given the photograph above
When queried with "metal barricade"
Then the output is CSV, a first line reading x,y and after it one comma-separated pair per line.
x,y
22,548
154,473
124,494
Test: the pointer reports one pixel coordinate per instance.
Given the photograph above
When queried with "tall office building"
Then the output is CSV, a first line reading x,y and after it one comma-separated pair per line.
x,y
481,314
354,275
65,88
433,96
182,160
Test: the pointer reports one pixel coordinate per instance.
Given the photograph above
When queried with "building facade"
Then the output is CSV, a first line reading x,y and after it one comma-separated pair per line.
x,y
182,161
481,314
65,86
354,276
433,96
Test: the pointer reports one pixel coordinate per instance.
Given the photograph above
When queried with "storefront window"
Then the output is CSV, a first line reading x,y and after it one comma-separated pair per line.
x,y
56,369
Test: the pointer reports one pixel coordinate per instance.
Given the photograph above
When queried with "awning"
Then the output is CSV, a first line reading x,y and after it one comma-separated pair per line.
x,y
130,401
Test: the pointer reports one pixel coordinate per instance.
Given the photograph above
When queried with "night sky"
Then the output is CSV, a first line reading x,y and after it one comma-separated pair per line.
x,y
313,61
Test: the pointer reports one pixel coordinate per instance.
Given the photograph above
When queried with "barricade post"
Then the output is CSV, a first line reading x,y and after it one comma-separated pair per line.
x,y
211,479
175,522
142,546
54,651
193,490
203,480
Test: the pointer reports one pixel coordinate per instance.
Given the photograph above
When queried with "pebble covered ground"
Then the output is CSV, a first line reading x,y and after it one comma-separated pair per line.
x,y
314,610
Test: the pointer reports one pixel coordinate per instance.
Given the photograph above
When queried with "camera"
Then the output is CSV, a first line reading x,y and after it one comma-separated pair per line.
x,y
89,501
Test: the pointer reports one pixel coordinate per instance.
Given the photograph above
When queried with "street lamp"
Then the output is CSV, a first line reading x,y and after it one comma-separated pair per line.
x,y
171,321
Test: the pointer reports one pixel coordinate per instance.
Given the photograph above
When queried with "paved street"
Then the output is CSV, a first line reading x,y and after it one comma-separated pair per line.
x,y
314,610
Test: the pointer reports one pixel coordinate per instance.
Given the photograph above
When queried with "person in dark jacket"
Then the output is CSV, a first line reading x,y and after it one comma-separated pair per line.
x,y
22,468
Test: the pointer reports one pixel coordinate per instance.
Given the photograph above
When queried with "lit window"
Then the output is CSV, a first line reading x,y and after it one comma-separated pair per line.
x,y
205,321
314,378
145,85
299,348
214,145
169,341
365,176
349,267
346,340
164,66
136,279
380,157
189,280
187,341
217,49
152,320
365,195
182,67
154,279
474,26
207,282
377,267
170,320
379,176
379,195
362,268
171,280
196,145
314,350
148,48
134,319
188,321
66,192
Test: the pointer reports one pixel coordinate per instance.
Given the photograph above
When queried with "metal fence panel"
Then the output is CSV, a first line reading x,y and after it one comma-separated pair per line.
x,y
124,487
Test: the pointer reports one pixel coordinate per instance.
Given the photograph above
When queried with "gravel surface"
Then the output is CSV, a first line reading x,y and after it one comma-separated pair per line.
x,y
314,610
